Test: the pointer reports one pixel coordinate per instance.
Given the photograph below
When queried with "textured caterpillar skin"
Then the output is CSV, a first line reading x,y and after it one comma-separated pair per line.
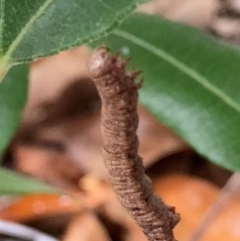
x,y
119,95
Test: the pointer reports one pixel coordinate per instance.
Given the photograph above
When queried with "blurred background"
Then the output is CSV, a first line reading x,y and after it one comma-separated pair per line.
x,y
59,142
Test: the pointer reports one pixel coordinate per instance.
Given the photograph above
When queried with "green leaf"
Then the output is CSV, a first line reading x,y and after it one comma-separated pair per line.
x,y
192,83
13,94
16,184
30,29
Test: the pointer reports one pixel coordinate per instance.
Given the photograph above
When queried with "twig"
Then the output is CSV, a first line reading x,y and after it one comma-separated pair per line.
x,y
232,187
119,94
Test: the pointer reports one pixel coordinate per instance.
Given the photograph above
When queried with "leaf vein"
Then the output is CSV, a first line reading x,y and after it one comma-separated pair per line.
x,y
204,82
25,29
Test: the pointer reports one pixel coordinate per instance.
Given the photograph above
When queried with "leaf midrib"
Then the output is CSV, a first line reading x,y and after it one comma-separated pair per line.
x,y
204,82
25,29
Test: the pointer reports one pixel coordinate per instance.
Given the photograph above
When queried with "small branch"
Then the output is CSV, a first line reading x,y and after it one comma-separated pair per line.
x,y
119,95
231,188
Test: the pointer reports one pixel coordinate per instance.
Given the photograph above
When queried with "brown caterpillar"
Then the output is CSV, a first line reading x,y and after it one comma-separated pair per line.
x,y
119,95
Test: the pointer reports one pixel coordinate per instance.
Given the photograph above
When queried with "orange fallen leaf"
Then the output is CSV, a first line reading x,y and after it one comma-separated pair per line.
x,y
38,205
192,197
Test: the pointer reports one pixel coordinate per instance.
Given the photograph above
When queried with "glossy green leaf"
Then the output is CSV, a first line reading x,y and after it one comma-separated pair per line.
x,y
13,183
192,83
30,29
13,94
